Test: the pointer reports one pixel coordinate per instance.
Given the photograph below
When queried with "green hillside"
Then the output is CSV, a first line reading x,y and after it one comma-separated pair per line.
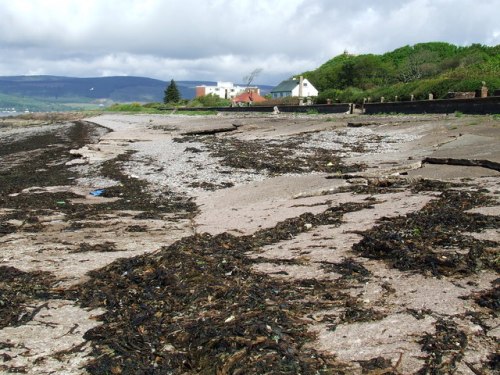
x,y
421,69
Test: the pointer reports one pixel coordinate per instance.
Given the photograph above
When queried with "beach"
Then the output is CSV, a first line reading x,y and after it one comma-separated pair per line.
x,y
250,243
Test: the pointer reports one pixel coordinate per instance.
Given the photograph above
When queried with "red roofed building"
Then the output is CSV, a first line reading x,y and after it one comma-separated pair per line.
x,y
249,97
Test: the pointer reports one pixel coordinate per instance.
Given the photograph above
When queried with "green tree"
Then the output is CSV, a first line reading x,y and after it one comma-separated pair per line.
x,y
172,94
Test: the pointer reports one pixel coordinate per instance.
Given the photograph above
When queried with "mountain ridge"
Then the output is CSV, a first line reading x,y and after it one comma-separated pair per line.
x,y
49,92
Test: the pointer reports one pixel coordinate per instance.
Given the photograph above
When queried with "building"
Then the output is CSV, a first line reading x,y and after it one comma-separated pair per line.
x,y
224,90
249,97
294,87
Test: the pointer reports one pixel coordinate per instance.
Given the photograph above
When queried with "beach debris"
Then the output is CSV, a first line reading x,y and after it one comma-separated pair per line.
x,y
98,192
211,131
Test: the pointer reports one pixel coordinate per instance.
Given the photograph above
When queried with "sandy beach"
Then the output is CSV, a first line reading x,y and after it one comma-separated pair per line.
x,y
250,243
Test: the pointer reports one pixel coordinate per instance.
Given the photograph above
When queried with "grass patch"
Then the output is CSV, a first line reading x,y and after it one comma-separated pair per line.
x,y
196,113
132,107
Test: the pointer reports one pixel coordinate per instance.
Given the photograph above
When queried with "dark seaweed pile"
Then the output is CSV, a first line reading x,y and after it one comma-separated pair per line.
x,y
197,306
275,157
105,247
490,298
445,348
49,169
427,241
349,269
17,290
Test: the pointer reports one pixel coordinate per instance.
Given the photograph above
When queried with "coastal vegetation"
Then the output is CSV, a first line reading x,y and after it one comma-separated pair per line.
x,y
417,70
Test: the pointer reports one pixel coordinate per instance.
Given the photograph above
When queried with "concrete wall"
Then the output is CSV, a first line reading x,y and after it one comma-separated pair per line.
x,y
479,106
489,105
320,108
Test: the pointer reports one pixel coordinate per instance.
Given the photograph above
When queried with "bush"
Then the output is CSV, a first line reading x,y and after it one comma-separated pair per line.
x,y
210,100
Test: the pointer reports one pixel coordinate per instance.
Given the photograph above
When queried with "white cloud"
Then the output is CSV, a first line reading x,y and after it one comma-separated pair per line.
x,y
223,39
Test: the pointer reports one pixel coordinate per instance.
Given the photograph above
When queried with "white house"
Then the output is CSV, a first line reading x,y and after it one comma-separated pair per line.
x,y
224,90
294,87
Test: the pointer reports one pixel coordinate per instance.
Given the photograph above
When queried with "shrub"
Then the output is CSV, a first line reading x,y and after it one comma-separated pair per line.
x,y
211,100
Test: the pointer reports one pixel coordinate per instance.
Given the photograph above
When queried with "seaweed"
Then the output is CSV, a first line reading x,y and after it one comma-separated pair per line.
x,y
99,248
349,269
276,157
490,298
198,306
445,348
424,241
18,290
378,363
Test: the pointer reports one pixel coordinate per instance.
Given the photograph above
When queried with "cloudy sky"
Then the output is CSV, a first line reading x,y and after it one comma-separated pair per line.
x,y
224,39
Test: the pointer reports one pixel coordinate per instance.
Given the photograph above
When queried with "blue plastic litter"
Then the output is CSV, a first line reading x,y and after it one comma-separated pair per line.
x,y
98,192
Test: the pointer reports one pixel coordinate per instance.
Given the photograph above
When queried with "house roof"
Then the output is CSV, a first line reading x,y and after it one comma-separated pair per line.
x,y
249,97
287,85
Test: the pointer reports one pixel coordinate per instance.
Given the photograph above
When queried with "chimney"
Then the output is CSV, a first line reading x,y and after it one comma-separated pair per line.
x,y
301,84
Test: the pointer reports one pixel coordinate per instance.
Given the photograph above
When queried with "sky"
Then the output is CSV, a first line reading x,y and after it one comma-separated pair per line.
x,y
224,40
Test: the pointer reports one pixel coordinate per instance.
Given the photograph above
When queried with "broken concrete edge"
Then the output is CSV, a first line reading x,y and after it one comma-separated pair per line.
x,y
464,162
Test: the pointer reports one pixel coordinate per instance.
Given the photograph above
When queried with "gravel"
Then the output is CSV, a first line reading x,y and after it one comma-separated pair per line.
x,y
177,169
372,143
183,172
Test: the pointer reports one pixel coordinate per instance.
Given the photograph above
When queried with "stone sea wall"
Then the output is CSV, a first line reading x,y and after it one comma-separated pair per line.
x,y
479,106
489,105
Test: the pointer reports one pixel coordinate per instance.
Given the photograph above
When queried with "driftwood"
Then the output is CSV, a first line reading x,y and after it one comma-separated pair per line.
x,y
212,131
465,162
360,124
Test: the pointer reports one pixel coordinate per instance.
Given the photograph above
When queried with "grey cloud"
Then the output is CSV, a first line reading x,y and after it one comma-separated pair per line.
x,y
224,39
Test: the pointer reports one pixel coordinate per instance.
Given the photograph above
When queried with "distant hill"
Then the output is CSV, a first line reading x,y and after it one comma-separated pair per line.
x,y
418,70
45,93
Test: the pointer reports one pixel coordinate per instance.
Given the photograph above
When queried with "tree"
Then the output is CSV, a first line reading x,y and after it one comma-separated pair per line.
x,y
253,74
172,94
